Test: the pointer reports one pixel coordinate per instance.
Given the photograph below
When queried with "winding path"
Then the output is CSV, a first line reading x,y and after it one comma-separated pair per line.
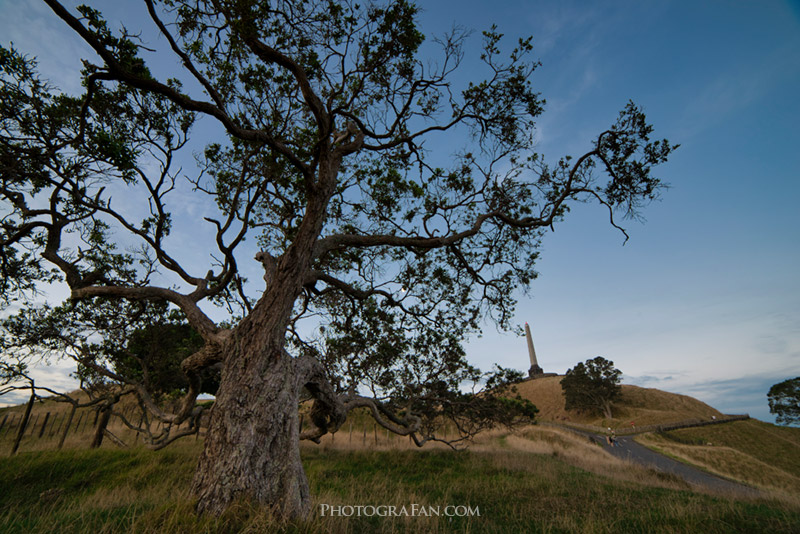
x,y
627,449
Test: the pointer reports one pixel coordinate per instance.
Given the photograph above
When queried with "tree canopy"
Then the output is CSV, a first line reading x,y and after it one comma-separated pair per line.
x,y
592,385
784,401
379,255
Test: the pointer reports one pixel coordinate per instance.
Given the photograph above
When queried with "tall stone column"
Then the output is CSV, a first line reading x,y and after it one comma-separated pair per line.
x,y
535,369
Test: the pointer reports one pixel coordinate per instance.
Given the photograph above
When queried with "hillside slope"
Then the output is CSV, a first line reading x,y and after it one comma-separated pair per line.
x,y
753,452
642,406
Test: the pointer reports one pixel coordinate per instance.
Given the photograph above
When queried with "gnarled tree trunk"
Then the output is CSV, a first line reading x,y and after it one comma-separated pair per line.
x,y
252,446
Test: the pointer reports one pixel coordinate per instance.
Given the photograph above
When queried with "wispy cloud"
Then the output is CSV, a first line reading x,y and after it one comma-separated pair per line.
x,y
734,89
735,396
36,32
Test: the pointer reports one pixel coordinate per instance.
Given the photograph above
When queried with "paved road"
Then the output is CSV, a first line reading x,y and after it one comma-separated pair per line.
x,y
627,449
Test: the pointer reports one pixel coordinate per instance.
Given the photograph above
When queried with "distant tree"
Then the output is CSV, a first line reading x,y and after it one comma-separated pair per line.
x,y
119,348
153,356
592,385
317,120
784,401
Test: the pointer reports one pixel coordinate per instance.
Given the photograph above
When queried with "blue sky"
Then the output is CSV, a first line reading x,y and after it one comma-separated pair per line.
x,y
705,298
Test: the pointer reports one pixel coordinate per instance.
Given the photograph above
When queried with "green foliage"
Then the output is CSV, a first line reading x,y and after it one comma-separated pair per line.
x,y
417,369
592,385
153,354
139,343
784,401
318,118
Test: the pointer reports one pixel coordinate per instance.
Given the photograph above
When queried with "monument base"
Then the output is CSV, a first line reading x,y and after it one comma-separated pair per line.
x,y
537,372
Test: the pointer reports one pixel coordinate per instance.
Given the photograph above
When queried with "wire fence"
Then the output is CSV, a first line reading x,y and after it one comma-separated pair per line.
x,y
54,427
48,429
631,430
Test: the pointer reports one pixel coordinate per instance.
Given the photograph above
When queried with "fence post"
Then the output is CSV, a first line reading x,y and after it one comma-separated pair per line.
x,y
11,423
97,440
141,422
44,424
33,425
3,423
66,427
53,428
23,423
85,422
78,424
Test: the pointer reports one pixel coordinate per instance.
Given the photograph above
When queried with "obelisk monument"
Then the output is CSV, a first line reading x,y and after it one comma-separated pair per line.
x,y
535,369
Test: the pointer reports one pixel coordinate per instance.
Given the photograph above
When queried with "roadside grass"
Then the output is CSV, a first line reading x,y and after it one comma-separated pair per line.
x,y
753,452
527,482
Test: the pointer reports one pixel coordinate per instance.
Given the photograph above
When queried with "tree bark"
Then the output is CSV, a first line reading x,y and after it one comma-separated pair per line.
x,y
252,445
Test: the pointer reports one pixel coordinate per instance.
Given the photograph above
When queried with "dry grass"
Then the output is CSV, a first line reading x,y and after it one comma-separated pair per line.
x,y
644,406
81,427
751,452
641,405
584,454
537,480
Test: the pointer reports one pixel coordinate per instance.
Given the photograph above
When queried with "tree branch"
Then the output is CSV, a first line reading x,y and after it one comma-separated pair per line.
x,y
118,72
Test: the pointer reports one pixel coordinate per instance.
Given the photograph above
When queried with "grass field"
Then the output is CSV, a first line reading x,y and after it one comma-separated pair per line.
x,y
754,452
540,480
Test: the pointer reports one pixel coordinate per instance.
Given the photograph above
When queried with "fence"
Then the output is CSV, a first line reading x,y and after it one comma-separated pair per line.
x,y
627,431
51,428
39,430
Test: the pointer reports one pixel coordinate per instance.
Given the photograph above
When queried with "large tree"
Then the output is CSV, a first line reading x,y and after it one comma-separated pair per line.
x,y
379,254
592,386
784,401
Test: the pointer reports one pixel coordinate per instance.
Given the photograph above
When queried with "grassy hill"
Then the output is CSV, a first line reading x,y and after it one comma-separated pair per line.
x,y
753,452
643,406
